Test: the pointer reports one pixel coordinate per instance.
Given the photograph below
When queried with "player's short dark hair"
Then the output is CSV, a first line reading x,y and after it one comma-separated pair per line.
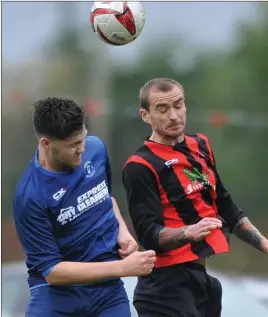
x,y
58,118
160,84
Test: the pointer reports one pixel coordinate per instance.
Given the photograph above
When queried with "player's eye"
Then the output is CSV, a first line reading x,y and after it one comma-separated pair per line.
x,y
162,109
72,145
179,104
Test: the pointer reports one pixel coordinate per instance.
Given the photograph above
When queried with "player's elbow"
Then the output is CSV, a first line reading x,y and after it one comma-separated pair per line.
x,y
50,280
150,240
53,277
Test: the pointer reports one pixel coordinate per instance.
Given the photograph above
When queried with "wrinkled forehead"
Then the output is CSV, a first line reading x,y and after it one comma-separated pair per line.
x,y
171,95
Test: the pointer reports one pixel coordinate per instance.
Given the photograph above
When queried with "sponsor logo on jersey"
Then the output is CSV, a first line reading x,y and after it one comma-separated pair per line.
x,y
88,200
198,181
58,195
66,215
172,162
93,197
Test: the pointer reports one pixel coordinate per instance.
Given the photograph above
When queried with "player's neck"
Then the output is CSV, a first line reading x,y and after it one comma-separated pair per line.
x,y
45,162
155,137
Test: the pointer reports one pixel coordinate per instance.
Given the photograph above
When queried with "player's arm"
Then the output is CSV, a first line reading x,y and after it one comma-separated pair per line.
x,y
125,240
37,238
238,223
122,224
146,211
246,232
78,273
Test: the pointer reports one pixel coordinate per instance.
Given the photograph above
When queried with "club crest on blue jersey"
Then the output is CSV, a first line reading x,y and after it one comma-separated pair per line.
x,y
89,169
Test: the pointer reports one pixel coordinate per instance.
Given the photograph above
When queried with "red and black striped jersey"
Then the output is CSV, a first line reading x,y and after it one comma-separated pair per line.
x,y
174,186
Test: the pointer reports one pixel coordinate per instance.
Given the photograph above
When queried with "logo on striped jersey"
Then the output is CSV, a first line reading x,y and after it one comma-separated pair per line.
x,y
172,162
198,180
195,175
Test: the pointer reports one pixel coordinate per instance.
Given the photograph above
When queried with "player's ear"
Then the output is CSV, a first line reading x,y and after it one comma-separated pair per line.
x,y
145,115
44,142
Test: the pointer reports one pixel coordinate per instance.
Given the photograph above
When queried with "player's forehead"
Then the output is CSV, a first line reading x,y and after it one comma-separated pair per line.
x,y
157,96
77,136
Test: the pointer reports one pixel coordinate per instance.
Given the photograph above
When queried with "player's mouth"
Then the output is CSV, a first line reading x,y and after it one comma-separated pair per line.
x,y
175,126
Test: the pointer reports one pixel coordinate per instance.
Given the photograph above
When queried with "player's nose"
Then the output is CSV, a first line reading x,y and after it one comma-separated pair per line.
x,y
81,149
173,114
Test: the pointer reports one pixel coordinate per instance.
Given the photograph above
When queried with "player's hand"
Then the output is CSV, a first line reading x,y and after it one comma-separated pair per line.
x,y
127,244
138,263
202,229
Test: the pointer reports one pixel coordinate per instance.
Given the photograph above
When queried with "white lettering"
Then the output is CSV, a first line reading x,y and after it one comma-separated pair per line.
x,y
195,187
189,189
91,192
89,199
93,200
81,206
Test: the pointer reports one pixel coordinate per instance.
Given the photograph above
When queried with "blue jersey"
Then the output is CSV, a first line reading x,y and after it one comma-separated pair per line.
x,y
66,216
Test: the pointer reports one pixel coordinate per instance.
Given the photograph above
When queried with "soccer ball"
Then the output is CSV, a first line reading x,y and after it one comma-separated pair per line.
x,y
117,23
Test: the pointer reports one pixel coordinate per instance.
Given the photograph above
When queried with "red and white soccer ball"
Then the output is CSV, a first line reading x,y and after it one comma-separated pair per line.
x,y
117,23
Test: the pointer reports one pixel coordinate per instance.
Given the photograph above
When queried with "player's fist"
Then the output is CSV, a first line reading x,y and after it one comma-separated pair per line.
x,y
127,244
202,229
138,263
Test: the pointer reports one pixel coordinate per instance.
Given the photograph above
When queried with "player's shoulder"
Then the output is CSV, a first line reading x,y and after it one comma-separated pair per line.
x,y
93,140
29,189
141,153
94,144
200,138
25,181
138,163
197,136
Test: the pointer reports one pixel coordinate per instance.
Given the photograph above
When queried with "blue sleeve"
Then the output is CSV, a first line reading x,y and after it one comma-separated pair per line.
x,y
104,154
108,169
36,236
109,175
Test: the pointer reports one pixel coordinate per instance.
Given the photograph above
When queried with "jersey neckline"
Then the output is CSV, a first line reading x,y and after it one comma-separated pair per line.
x,y
174,147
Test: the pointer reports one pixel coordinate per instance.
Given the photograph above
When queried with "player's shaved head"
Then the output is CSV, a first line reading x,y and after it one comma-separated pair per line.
x,y
160,84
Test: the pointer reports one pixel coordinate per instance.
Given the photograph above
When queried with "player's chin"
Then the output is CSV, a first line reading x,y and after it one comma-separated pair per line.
x,y
77,162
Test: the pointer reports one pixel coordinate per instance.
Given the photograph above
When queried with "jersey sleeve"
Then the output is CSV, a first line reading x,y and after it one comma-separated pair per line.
x,y
109,175
144,204
227,209
107,166
35,234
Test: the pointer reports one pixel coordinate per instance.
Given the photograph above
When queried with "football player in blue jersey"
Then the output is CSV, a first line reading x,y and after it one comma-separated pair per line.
x,y
76,243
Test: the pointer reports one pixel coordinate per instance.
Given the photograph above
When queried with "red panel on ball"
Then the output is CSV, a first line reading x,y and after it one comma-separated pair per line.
x,y
126,19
